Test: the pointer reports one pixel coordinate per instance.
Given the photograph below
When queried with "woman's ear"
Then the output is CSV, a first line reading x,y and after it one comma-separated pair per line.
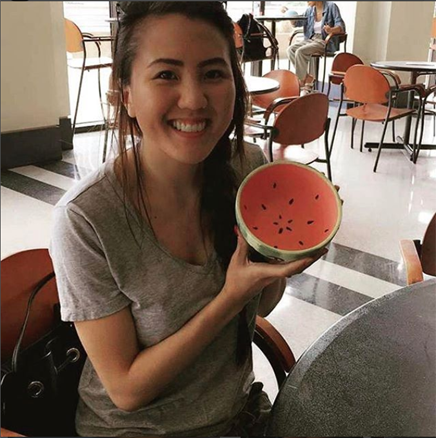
x,y
127,102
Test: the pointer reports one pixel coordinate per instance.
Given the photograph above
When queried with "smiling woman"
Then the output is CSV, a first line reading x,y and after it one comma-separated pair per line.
x,y
147,261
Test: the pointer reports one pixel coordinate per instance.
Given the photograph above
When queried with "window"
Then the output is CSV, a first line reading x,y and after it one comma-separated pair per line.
x,y
89,16
235,9
273,8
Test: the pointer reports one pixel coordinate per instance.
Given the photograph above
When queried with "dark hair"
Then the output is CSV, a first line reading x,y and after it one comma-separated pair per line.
x,y
219,179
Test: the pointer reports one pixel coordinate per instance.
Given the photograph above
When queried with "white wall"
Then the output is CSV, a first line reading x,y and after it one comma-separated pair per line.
x,y
392,30
34,78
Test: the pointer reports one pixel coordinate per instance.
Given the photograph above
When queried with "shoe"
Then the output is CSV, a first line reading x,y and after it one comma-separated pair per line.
x,y
307,89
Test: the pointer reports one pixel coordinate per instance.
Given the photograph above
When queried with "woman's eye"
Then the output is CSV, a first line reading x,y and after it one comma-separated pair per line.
x,y
167,75
214,74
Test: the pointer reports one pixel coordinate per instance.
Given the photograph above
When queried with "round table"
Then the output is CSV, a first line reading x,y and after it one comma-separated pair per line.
x,y
371,374
259,85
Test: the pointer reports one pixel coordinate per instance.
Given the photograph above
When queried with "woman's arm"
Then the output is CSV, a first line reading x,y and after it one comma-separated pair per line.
x,y
134,377
271,296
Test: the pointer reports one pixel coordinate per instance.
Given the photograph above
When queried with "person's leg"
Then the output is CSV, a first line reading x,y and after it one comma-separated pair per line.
x,y
291,50
302,59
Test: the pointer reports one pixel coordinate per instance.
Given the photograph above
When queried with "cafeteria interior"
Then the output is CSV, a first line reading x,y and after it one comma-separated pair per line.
x,y
380,208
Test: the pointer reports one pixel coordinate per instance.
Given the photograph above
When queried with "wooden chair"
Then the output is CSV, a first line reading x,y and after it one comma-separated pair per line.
x,y
21,272
420,257
289,88
370,88
300,121
341,63
425,95
76,42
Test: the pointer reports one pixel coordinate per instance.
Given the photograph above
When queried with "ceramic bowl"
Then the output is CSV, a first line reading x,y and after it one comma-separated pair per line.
x,y
287,210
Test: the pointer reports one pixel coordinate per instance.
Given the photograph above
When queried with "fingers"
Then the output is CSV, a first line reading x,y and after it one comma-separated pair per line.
x,y
241,252
268,270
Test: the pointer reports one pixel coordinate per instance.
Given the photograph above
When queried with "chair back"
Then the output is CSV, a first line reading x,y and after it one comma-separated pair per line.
x,y
289,87
20,274
73,37
303,120
366,85
428,248
238,36
342,62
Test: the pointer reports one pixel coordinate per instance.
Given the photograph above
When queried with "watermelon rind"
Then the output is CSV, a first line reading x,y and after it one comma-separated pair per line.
x,y
279,254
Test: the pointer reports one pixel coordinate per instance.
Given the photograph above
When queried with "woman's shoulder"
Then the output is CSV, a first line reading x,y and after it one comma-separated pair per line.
x,y
252,158
91,190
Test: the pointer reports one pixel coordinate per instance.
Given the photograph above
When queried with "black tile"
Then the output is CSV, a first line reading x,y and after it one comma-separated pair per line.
x,y
321,293
369,264
31,187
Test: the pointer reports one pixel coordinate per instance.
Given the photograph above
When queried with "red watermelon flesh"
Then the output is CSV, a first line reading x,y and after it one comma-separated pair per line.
x,y
289,207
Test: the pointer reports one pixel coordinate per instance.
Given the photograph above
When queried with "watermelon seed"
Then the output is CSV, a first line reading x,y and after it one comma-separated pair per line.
x,y
275,246
245,207
326,231
289,229
301,243
289,221
263,206
281,231
317,197
310,222
255,228
274,185
291,201
275,223
280,216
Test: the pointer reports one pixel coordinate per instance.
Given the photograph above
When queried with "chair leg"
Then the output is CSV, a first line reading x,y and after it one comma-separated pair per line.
x,y
380,146
353,125
77,102
337,118
328,88
421,117
323,74
328,150
361,135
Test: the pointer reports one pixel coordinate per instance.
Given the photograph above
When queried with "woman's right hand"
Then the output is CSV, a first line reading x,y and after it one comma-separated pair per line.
x,y
245,279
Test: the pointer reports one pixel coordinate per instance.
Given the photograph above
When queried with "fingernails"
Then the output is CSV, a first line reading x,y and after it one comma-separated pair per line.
x,y
236,230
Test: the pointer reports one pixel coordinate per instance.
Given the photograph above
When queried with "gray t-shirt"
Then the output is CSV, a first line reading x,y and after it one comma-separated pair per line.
x,y
100,269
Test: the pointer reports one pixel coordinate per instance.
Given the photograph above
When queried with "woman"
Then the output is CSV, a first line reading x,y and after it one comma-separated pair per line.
x,y
148,265
322,19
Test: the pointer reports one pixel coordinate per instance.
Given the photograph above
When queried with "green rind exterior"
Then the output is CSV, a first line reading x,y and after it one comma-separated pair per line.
x,y
269,251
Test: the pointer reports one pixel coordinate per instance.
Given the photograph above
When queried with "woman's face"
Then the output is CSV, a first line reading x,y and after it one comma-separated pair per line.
x,y
182,89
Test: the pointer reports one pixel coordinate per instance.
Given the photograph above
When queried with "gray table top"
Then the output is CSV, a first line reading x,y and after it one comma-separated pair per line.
x,y
411,66
371,374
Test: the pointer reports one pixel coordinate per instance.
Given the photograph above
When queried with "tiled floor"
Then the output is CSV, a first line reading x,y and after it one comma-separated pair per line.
x,y
363,262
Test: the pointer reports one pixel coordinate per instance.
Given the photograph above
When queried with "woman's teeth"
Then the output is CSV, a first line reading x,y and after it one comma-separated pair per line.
x,y
184,127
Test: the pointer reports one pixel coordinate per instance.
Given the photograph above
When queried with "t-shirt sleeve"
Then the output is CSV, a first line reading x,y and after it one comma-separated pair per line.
x,y
87,289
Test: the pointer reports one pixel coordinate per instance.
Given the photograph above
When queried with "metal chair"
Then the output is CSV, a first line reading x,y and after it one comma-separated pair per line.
x,y
372,91
420,256
300,121
426,94
76,42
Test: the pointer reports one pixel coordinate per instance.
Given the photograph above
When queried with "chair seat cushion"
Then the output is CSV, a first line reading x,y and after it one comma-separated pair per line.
x,y
375,112
91,63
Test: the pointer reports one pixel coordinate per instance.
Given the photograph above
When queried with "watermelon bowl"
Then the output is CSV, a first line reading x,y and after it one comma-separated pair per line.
x,y
287,211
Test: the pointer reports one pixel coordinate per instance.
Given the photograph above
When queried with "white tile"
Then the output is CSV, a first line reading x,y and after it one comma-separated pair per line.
x,y
45,176
353,280
26,222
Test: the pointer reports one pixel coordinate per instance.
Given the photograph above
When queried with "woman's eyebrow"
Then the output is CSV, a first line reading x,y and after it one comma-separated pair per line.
x,y
179,63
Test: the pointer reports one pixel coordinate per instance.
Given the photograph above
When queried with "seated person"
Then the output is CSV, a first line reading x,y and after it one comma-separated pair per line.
x,y
323,19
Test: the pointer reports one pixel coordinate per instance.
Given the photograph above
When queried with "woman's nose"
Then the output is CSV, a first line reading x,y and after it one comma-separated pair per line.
x,y
192,95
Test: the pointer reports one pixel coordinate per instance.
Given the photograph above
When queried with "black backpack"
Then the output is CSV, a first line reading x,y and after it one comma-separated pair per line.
x,y
259,43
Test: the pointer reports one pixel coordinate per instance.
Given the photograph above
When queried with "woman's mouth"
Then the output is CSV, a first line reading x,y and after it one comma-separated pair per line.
x,y
188,126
